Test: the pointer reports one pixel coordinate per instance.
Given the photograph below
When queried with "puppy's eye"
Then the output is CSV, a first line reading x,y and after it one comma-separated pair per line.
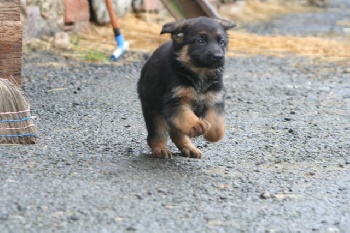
x,y
200,41
222,42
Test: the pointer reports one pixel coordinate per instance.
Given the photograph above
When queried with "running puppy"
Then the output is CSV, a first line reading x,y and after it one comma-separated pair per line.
x,y
181,86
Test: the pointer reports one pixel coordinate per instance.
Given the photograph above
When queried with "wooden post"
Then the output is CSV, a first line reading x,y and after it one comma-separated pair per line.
x,y
10,41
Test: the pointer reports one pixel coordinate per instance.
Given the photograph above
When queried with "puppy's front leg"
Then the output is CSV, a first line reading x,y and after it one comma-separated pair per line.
x,y
185,145
185,121
189,124
215,116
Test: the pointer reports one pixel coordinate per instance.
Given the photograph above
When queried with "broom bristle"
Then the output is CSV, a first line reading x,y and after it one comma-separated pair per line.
x,y
16,123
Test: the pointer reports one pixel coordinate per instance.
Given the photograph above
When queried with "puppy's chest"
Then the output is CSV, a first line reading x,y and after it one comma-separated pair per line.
x,y
208,99
189,96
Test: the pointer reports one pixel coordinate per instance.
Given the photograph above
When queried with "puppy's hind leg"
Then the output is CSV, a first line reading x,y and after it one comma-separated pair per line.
x,y
157,135
185,145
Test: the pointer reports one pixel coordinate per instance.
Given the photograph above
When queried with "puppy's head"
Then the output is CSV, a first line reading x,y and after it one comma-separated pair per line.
x,y
200,42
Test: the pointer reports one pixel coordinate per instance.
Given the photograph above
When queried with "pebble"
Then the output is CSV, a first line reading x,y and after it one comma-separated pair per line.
x,y
4,215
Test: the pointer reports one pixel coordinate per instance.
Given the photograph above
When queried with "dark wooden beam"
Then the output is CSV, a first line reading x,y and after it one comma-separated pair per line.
x,y
186,9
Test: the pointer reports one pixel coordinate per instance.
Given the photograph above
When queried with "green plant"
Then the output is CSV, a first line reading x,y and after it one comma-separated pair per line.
x,y
94,55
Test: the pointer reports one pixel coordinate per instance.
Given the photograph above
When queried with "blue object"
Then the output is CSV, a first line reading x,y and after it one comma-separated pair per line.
x,y
19,120
121,48
120,40
18,135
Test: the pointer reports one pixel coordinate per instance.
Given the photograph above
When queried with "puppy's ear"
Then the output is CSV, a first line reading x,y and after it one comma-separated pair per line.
x,y
170,27
175,28
225,23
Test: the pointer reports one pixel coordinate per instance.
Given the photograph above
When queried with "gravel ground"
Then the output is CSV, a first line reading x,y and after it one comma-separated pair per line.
x,y
283,164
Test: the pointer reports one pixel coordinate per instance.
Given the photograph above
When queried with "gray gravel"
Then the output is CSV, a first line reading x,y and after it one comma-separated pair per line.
x,y
282,166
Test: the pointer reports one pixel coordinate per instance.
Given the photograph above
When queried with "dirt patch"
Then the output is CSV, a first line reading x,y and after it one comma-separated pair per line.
x,y
251,11
326,49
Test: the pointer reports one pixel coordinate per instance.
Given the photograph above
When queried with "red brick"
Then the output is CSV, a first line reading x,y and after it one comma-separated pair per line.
x,y
77,10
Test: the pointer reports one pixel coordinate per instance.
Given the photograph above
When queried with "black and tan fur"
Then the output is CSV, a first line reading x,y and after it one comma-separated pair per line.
x,y
181,86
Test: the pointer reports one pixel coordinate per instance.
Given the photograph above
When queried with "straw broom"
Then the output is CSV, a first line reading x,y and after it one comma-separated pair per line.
x,y
16,123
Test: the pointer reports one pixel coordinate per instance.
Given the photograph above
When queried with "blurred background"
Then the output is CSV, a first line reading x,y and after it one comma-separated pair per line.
x,y
81,29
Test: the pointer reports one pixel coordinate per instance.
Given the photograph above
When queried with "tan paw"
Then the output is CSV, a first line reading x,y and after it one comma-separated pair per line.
x,y
161,153
201,127
192,152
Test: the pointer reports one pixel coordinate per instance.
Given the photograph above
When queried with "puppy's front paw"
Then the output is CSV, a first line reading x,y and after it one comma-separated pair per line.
x,y
191,152
201,127
161,153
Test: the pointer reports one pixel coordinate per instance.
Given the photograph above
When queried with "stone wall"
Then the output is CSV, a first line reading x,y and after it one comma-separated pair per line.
x,y
41,17
47,17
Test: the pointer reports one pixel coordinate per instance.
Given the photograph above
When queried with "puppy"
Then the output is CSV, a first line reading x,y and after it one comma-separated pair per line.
x,y
181,86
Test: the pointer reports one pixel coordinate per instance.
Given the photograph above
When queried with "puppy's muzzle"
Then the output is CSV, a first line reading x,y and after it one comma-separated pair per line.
x,y
217,58
214,60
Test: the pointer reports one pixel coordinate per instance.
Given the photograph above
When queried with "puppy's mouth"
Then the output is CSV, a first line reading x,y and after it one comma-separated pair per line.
x,y
211,61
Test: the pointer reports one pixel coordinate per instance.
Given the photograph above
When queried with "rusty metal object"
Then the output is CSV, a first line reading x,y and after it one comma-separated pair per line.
x,y
185,9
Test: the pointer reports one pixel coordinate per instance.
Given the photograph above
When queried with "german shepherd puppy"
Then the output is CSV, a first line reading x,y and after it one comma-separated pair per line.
x,y
181,86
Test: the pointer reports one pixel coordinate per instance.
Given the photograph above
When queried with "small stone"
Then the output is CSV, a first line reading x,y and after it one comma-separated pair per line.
x,y
139,196
4,216
222,197
346,71
310,174
215,223
21,207
265,195
164,191
35,43
118,219
62,41
74,217
169,206
130,229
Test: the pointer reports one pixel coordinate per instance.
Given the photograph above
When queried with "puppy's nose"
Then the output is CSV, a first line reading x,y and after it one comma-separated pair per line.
x,y
217,57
